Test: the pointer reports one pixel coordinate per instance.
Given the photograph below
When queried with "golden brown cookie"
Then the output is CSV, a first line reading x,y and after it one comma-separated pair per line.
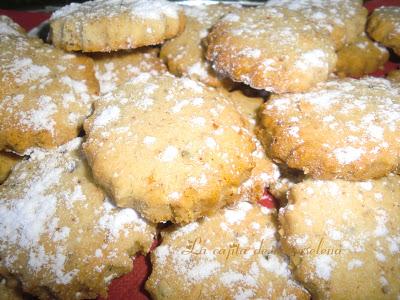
x,y
113,69
60,236
103,25
384,27
10,28
170,147
394,76
231,255
360,58
342,20
285,54
45,94
7,162
344,237
185,54
344,128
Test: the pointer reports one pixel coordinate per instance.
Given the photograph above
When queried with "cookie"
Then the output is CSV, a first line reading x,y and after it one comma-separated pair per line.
x,y
361,58
45,94
103,25
9,28
344,129
285,54
344,237
384,27
394,76
185,54
230,255
170,147
60,236
113,69
7,162
342,20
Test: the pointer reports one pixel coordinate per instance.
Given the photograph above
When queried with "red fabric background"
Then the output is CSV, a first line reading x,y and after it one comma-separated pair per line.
x,y
131,286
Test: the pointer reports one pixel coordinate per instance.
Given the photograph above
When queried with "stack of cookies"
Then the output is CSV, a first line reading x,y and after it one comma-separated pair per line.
x,y
147,120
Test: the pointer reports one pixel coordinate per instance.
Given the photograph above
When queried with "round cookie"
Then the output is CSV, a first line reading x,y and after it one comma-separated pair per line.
x,y
342,20
103,25
7,162
344,128
113,69
185,54
9,28
285,54
45,94
60,236
230,255
384,27
360,58
170,147
343,237
394,76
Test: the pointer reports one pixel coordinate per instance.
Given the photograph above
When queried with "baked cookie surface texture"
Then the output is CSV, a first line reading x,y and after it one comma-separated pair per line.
x,y
345,129
106,25
59,235
170,147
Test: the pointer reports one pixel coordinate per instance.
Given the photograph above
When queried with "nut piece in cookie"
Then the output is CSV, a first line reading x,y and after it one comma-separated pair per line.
x,y
384,27
45,93
185,54
342,20
284,54
361,58
60,237
344,128
172,148
104,25
114,69
343,238
233,254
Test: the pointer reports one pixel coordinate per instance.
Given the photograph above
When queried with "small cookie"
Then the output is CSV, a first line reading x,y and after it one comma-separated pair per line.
x,y
185,54
384,27
342,20
394,76
344,237
231,255
113,69
344,128
10,28
7,162
103,25
285,54
170,147
60,237
361,58
45,94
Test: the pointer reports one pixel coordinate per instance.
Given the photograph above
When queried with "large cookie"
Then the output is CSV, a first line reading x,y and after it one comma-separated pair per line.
x,y
185,54
59,235
384,26
103,25
114,69
344,237
342,20
233,254
45,93
170,147
285,54
345,129
360,58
